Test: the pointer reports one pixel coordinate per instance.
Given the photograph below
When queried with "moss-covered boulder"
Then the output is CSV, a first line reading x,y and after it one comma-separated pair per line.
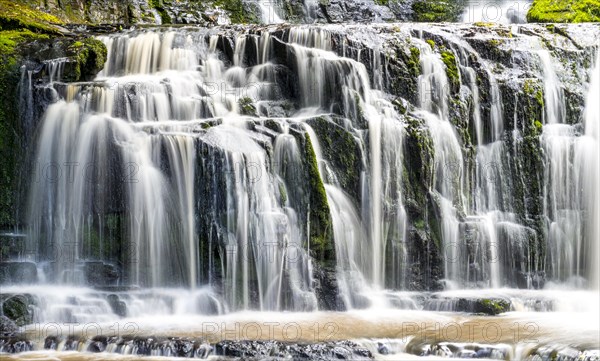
x,y
18,309
492,307
564,11
88,58
246,106
437,10
485,306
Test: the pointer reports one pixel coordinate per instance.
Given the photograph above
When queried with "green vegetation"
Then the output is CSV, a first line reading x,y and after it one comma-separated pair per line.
x,y
282,194
25,14
90,57
451,68
159,6
16,308
247,106
564,11
492,307
414,63
533,89
15,16
332,138
431,43
237,13
321,242
538,125
437,10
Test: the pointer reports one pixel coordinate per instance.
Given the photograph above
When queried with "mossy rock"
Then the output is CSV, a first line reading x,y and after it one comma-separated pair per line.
x,y
437,10
16,308
247,107
564,11
16,16
321,231
89,57
492,307
347,163
240,12
451,69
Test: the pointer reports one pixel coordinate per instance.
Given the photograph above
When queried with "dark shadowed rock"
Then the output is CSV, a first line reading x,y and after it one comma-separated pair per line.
x,y
18,272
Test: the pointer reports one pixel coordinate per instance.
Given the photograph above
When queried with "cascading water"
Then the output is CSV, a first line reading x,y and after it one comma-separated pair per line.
x,y
590,153
209,172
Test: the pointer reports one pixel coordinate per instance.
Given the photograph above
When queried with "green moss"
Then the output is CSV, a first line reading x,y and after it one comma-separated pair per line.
x,y
321,243
494,42
437,10
564,11
237,13
294,11
492,306
451,68
10,39
414,63
247,106
15,16
16,308
90,56
529,86
347,164
158,5
431,43
282,193
538,125
539,97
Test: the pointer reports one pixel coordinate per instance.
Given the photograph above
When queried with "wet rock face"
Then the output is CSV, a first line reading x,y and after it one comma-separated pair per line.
x,y
339,11
101,274
487,306
7,326
220,12
199,348
563,353
342,350
15,345
460,350
133,12
326,288
18,272
369,11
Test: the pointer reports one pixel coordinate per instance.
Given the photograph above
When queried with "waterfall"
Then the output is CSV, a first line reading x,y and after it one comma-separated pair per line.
x,y
448,169
293,168
360,263
156,174
567,153
591,169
